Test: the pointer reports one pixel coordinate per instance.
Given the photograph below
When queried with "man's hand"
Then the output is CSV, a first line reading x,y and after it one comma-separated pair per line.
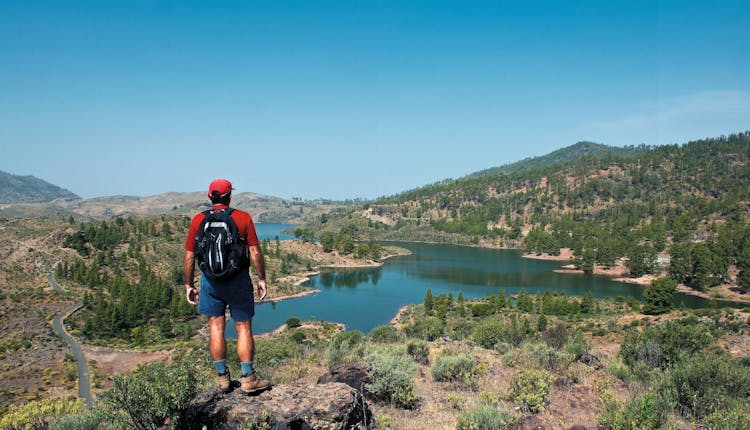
x,y
262,290
191,293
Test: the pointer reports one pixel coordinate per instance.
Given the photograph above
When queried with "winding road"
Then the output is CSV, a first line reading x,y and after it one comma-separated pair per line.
x,y
84,379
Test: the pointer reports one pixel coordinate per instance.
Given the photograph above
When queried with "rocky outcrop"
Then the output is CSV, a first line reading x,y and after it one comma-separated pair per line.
x,y
330,406
355,375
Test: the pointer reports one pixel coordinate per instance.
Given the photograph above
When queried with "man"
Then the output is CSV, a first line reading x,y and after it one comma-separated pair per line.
x,y
236,293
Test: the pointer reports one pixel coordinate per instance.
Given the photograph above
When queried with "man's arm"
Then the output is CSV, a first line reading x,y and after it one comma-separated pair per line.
x,y
188,271
256,255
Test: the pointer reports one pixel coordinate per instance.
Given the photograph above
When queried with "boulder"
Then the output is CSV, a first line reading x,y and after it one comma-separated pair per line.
x,y
331,406
355,375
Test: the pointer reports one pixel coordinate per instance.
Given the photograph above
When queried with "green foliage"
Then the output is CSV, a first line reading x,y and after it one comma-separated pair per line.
x,y
429,302
737,416
531,388
37,414
460,369
293,322
705,383
663,345
556,336
270,353
153,393
485,417
641,412
418,351
429,329
391,377
346,347
489,333
384,334
658,296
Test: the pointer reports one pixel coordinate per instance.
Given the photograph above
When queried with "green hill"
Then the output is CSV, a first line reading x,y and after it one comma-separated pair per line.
x,y
564,155
29,189
688,202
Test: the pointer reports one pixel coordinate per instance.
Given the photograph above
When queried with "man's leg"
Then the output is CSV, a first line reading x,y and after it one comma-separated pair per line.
x,y
217,346
249,383
245,341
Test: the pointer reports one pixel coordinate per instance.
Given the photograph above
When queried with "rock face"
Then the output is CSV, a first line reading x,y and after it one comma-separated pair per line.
x,y
331,406
355,375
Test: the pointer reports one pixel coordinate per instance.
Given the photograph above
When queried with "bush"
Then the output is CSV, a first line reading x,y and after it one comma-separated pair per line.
x,y
531,388
429,329
485,417
706,383
735,417
578,346
489,333
418,351
142,399
455,368
298,337
663,345
270,353
645,412
346,347
391,377
293,322
384,334
658,296
36,414
545,356
556,336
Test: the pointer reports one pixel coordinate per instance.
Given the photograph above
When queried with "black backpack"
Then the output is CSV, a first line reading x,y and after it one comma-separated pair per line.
x,y
220,251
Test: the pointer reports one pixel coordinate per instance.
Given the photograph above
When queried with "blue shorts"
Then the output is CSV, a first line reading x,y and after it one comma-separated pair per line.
x,y
236,293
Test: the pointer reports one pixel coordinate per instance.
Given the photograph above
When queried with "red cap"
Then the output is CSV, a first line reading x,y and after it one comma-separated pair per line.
x,y
223,186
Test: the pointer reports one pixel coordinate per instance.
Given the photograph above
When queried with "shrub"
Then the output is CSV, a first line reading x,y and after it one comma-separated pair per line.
x,y
455,368
293,322
489,333
485,417
644,412
391,377
36,414
429,329
531,388
556,336
661,346
298,337
384,334
142,400
482,309
545,356
734,417
658,296
346,347
706,383
578,346
270,353
418,351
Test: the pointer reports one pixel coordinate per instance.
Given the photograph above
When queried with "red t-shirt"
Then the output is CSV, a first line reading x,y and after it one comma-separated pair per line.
x,y
244,222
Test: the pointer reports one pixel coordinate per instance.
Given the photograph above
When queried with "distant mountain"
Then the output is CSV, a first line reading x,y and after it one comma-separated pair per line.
x,y
571,153
29,189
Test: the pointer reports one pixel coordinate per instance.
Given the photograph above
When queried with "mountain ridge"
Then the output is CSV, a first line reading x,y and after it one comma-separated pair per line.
x,y
30,189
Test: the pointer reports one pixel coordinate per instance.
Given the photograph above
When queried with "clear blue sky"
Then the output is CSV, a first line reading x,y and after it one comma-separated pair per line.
x,y
345,99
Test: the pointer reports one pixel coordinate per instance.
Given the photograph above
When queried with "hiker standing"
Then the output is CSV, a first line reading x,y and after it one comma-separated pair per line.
x,y
219,239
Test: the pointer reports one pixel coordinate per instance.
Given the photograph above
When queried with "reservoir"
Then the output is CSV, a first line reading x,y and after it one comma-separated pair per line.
x,y
366,298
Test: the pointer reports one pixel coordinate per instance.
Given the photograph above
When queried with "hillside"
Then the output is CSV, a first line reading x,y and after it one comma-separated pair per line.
x,y
264,209
30,189
684,208
564,155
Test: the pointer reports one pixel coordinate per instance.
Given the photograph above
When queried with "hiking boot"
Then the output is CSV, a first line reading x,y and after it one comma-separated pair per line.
x,y
250,384
224,381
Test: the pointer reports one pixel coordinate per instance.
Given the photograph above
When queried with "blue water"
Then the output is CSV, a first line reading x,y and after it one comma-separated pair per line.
x,y
365,298
270,231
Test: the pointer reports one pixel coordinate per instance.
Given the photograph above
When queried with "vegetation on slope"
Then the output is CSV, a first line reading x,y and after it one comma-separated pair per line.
x,y
545,360
689,200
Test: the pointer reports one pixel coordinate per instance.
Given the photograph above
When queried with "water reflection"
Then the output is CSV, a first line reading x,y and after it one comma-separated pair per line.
x,y
349,278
